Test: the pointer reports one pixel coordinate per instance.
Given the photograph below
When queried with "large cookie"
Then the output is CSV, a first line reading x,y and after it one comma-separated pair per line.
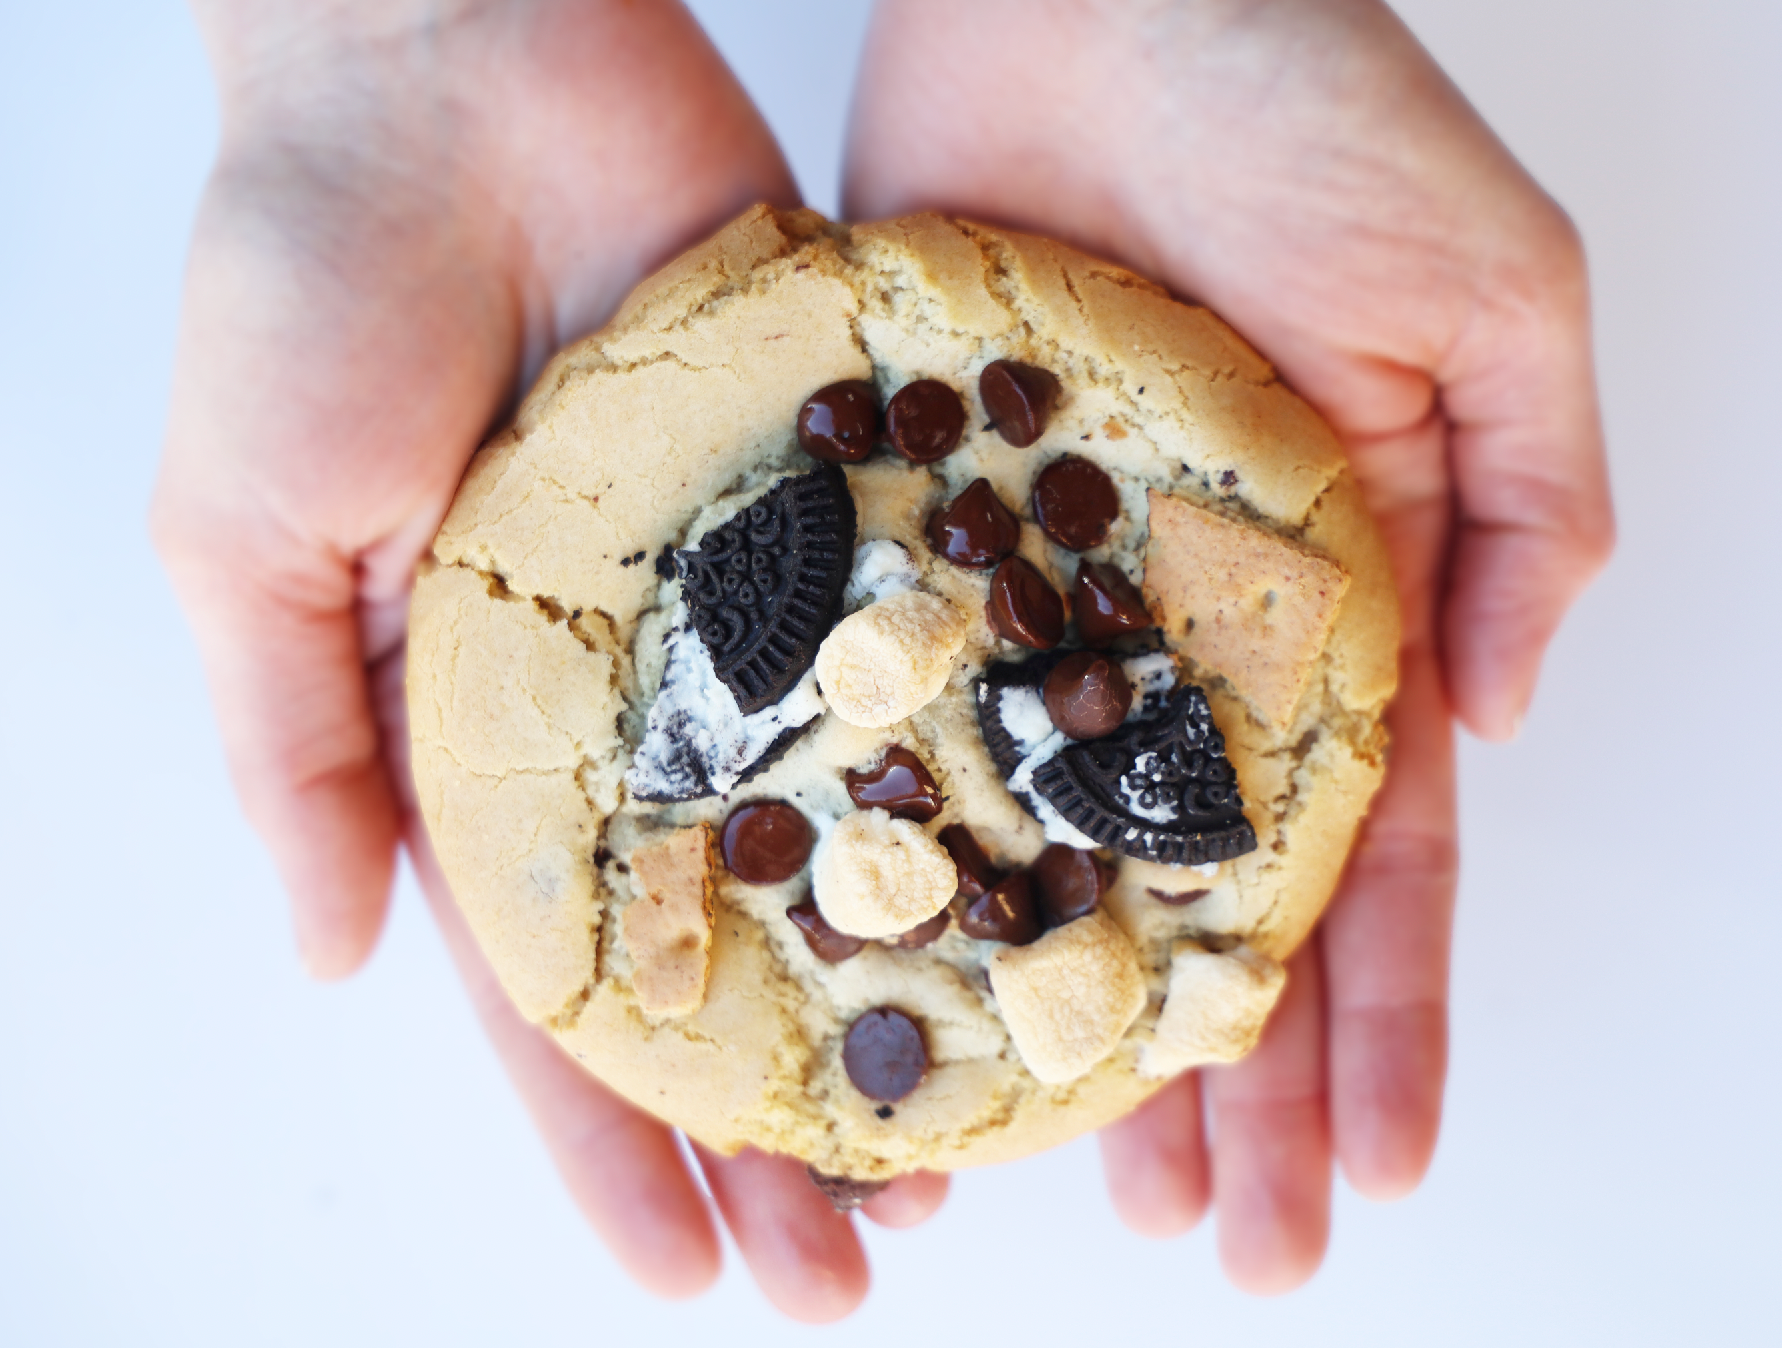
x,y
650,606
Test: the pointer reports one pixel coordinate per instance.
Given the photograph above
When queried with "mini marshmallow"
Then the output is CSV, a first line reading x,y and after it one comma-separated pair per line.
x,y
890,659
668,927
1215,1008
876,876
1069,997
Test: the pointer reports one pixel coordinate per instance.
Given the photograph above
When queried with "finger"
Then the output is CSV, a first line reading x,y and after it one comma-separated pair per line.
x,y
1271,1143
1386,942
1155,1162
802,1252
620,1166
909,1200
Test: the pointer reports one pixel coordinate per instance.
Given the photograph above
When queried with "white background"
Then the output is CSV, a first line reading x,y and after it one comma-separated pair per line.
x,y
199,1147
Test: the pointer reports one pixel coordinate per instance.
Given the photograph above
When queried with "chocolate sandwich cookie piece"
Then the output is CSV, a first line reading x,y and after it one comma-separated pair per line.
x,y
1022,608
843,1193
826,943
1019,399
1068,883
1107,604
1087,695
1005,912
901,785
765,842
764,588
925,420
1075,503
976,873
922,934
884,1054
839,423
1159,789
975,529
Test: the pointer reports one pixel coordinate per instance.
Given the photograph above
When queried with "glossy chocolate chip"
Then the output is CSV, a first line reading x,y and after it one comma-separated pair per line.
x,y
1087,695
1019,399
976,874
974,529
884,1054
1108,605
1022,608
1068,883
765,842
925,420
1075,503
843,1193
923,933
1004,913
826,943
900,785
838,423
1182,900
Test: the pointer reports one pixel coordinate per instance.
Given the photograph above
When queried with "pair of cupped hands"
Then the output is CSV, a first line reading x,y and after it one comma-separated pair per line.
x,y
415,202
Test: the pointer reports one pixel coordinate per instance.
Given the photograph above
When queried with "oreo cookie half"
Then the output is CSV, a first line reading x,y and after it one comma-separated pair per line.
x,y
764,588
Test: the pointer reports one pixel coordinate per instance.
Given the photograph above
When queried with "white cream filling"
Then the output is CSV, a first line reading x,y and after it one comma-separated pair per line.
x,y
882,568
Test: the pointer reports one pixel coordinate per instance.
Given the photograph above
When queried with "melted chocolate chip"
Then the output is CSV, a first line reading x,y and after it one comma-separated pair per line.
x,y
923,933
1068,883
1075,503
925,420
766,842
1181,900
974,529
826,943
1023,608
838,424
901,785
884,1054
1087,695
1019,398
1108,605
1004,913
843,1193
976,874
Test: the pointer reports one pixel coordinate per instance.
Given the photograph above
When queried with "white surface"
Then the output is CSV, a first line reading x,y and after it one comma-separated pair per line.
x,y
197,1147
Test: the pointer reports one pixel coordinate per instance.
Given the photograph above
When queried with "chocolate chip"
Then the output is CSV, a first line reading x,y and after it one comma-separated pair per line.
x,y
766,842
974,529
1020,399
843,1193
765,587
925,420
1108,605
826,943
1087,695
1004,913
1181,900
839,423
1023,608
884,1054
901,785
883,1112
923,933
1068,883
976,874
1075,503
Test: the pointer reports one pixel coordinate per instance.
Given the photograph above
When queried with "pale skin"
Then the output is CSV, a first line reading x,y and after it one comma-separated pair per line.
x,y
415,203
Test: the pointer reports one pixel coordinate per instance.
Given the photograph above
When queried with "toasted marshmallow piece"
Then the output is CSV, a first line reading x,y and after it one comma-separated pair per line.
x,y
1069,996
876,876
890,659
668,927
1215,1008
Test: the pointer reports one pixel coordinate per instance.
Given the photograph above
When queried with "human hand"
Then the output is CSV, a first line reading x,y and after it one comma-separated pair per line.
x,y
414,204
1304,168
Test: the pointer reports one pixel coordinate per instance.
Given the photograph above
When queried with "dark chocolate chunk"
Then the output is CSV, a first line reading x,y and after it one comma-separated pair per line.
x,y
765,587
1004,912
1075,503
765,842
976,874
975,529
826,943
1087,695
1019,399
839,423
1182,900
1068,883
925,420
884,1054
1108,605
1022,607
923,933
900,784
843,1193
